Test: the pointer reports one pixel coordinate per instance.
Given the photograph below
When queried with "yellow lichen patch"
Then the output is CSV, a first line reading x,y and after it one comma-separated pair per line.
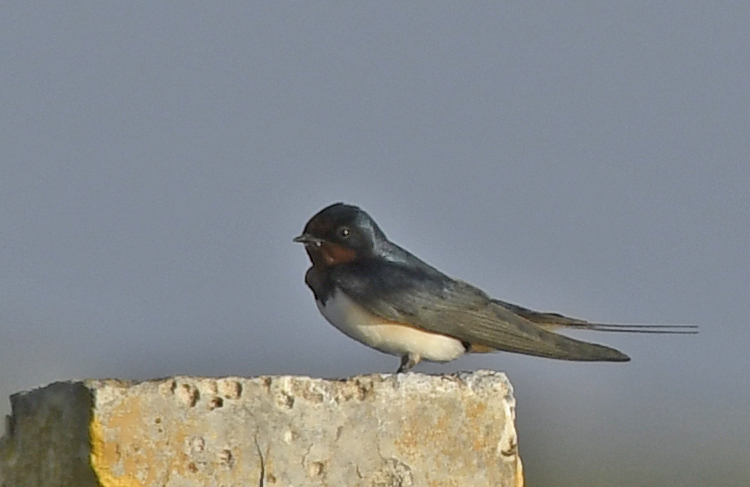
x,y
126,453
476,414
103,455
442,482
433,427
519,473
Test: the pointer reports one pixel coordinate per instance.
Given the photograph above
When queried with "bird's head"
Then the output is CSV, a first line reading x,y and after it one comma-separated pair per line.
x,y
341,233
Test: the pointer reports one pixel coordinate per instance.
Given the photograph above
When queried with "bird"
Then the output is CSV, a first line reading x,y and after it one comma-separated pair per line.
x,y
381,295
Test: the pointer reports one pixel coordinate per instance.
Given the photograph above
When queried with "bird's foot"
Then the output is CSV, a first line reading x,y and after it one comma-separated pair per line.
x,y
407,362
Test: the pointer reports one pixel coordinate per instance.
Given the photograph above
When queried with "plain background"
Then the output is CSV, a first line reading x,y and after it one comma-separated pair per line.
x,y
590,158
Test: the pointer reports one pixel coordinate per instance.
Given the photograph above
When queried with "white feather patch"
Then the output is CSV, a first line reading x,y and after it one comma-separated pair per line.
x,y
386,336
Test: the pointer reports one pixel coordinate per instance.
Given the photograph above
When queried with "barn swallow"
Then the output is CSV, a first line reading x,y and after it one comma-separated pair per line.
x,y
383,296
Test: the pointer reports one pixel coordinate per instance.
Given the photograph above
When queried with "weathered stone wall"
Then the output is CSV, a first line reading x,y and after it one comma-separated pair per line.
x,y
377,430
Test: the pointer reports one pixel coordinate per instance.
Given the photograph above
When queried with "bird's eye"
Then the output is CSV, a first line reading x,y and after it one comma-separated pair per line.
x,y
344,232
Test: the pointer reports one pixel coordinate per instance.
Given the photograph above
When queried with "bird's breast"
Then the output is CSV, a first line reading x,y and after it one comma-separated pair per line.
x,y
384,335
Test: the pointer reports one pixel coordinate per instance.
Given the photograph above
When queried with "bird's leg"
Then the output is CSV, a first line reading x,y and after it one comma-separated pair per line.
x,y
408,361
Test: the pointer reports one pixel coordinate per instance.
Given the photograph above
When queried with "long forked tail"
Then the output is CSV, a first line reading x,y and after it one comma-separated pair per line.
x,y
660,329
554,321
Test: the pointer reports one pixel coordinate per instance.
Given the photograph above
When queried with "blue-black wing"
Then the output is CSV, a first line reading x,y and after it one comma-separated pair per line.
x,y
420,296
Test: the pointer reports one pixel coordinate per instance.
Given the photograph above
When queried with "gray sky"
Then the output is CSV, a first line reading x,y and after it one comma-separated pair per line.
x,y
590,158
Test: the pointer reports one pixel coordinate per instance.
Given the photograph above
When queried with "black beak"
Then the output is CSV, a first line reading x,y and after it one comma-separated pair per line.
x,y
307,239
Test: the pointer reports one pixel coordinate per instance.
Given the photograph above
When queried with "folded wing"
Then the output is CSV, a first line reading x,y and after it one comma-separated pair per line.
x,y
427,299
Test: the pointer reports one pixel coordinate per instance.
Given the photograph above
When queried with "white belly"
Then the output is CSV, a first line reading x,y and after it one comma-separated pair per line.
x,y
387,336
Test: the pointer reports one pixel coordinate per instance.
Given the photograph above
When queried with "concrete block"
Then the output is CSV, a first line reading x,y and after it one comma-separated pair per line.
x,y
376,430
